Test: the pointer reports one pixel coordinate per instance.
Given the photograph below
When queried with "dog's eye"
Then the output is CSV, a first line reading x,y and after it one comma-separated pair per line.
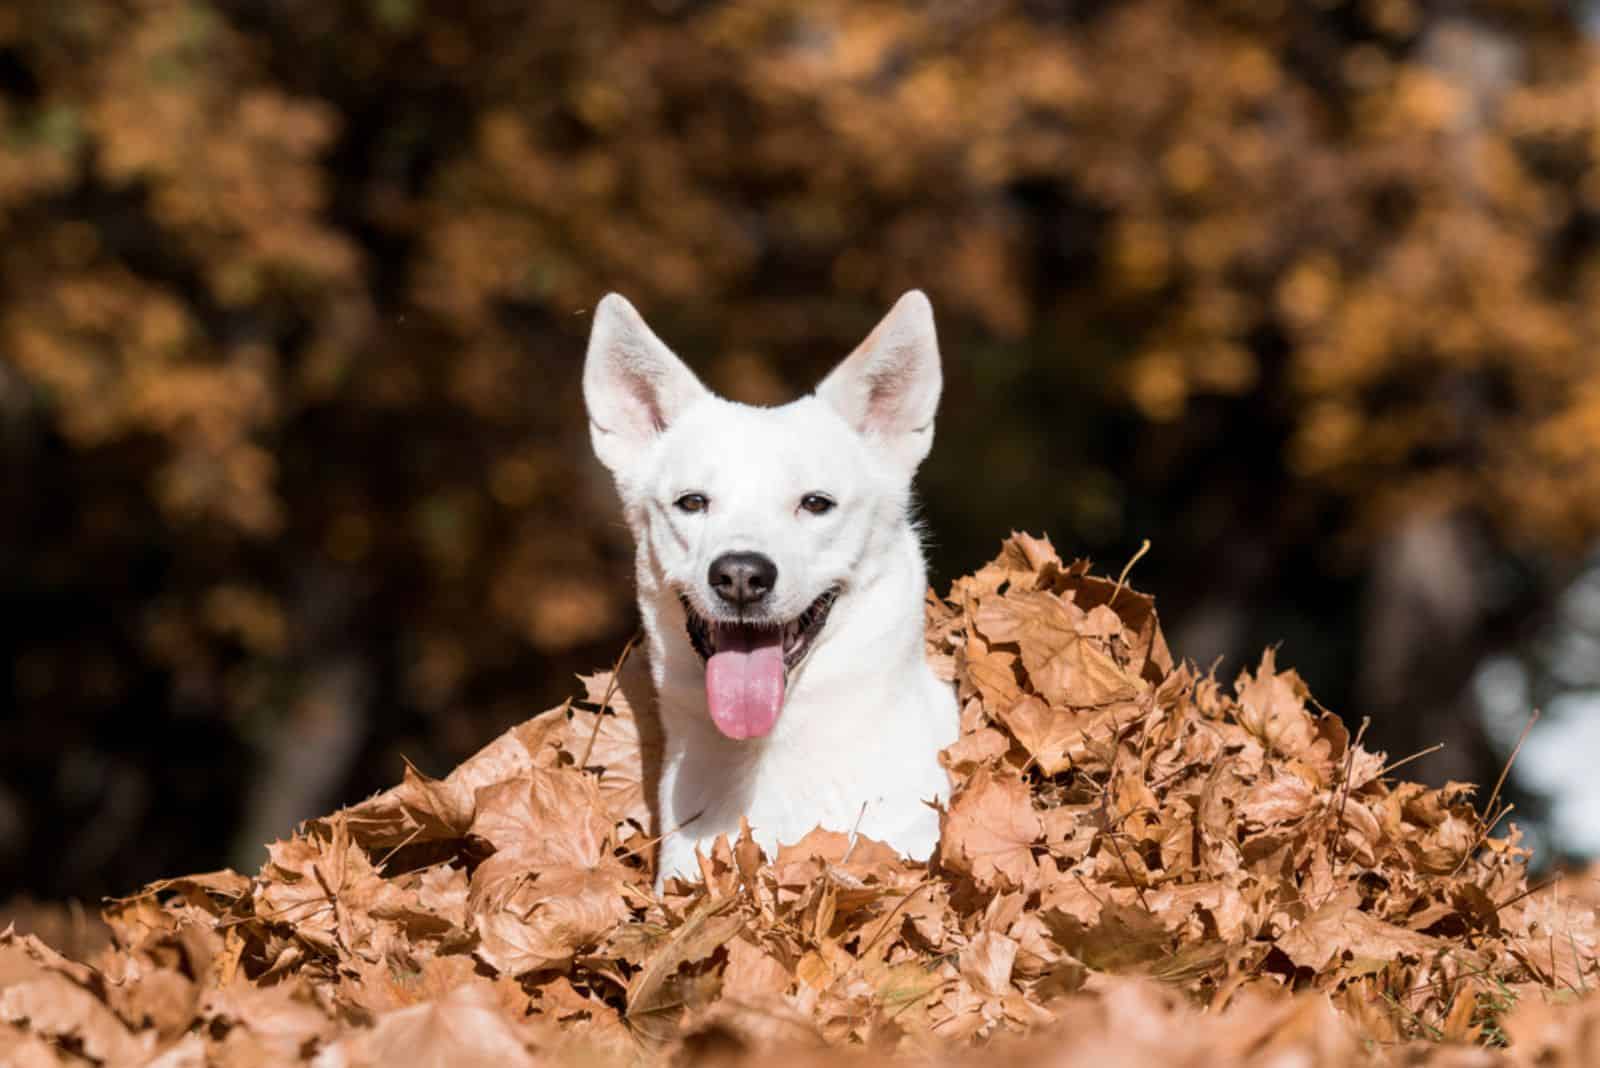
x,y
691,502
816,503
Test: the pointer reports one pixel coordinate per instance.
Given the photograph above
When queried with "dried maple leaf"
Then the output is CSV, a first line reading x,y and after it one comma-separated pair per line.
x,y
1279,798
225,885
1272,707
1062,648
990,830
1340,928
1046,733
987,961
549,918
655,996
1558,938
550,818
1022,557
49,1002
982,746
1555,1032
765,1024
464,1029
383,986
858,867
622,746
323,886
552,885
21,1048
992,674
1119,938
264,1024
422,809
442,891
753,973
147,995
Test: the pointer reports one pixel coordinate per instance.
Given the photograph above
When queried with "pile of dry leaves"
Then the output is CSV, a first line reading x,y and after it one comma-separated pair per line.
x,y
1138,866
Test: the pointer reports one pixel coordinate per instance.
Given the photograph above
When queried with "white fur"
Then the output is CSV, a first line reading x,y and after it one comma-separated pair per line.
x,y
864,718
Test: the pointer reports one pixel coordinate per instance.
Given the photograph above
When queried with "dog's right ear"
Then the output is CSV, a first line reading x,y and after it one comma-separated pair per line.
x,y
633,386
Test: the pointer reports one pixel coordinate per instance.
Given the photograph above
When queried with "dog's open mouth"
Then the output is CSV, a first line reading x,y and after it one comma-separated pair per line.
x,y
707,636
748,664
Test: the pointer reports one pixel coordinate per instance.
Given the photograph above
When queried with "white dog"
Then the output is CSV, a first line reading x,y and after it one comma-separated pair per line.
x,y
781,583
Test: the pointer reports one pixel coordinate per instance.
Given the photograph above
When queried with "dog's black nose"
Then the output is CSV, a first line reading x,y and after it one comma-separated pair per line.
x,y
743,579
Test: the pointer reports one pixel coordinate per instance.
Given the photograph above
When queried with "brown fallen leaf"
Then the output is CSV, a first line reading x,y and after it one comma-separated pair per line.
x,y
1062,648
20,1048
1340,928
265,1024
54,1007
655,996
422,809
1272,706
987,961
465,1029
990,830
548,919
623,745
1046,733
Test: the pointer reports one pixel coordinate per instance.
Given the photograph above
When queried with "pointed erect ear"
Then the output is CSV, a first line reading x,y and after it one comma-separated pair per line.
x,y
888,389
633,386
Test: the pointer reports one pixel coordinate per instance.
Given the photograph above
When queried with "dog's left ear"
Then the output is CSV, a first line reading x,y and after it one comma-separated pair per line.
x,y
888,389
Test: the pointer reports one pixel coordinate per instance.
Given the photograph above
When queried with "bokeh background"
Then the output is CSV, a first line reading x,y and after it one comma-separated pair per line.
x,y
294,477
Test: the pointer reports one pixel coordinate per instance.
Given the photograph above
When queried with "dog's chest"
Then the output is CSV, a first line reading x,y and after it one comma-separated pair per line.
x,y
877,778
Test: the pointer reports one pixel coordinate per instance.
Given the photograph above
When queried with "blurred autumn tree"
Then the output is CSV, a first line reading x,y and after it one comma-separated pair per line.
x,y
294,294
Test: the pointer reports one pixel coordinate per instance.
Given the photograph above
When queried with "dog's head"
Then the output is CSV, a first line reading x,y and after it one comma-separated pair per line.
x,y
757,519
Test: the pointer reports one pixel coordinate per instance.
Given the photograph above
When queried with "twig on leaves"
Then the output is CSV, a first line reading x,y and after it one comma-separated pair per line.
x,y
1418,755
1533,717
855,834
1344,789
1492,817
611,691
883,927
1529,892
1123,578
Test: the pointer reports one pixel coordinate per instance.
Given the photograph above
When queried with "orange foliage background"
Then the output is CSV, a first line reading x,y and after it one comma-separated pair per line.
x,y
293,297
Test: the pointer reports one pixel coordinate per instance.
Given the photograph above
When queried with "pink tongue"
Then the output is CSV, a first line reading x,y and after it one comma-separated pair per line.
x,y
744,680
